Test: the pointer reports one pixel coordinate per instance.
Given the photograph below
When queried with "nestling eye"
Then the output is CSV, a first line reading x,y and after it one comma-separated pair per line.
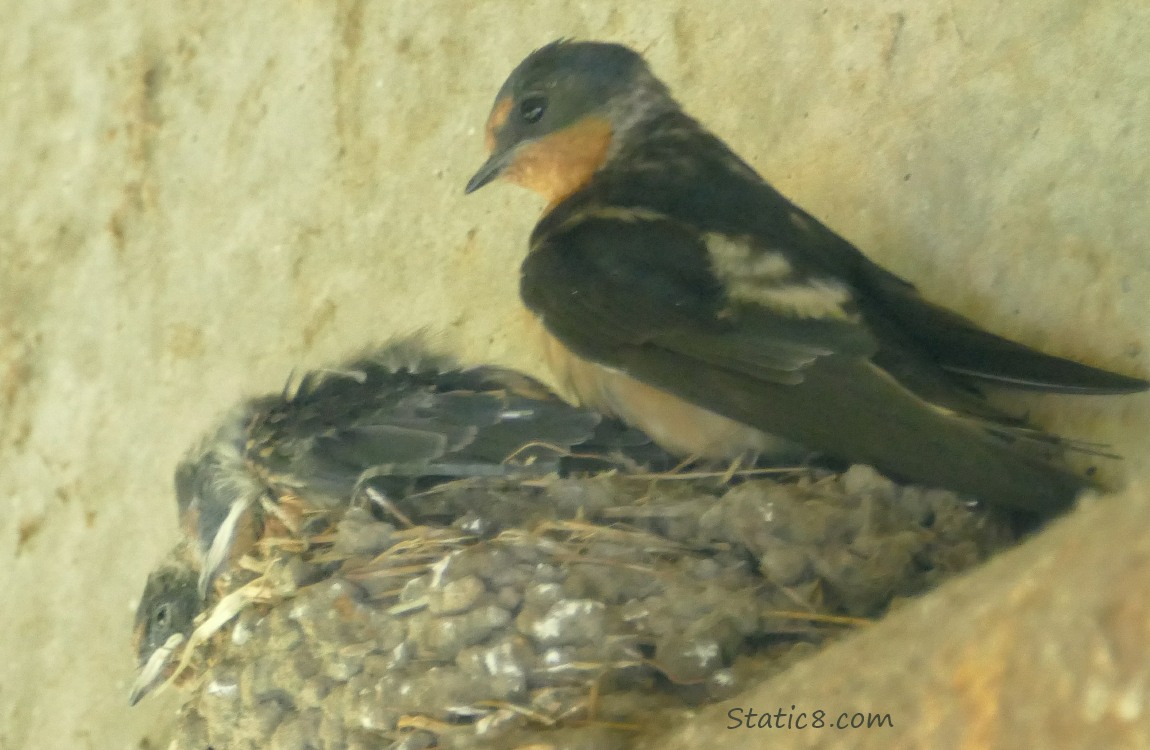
x,y
161,616
532,108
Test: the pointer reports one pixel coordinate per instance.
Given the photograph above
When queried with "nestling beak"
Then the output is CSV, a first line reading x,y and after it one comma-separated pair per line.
x,y
158,668
495,165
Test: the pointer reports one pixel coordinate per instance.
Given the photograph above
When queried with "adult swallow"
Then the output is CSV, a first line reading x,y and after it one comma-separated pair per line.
x,y
680,291
400,420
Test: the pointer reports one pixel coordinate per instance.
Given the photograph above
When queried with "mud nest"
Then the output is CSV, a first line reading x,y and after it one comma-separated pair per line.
x,y
564,613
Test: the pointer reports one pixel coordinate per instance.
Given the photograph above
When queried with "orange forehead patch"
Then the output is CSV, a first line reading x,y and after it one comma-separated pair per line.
x,y
557,165
496,120
138,637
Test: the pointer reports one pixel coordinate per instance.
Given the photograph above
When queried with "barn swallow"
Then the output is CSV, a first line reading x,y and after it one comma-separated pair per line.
x,y
164,618
400,420
678,290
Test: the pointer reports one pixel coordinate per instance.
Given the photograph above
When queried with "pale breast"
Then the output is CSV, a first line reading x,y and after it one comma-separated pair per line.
x,y
675,424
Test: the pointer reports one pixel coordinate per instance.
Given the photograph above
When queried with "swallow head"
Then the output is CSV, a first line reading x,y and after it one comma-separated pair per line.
x,y
562,112
164,618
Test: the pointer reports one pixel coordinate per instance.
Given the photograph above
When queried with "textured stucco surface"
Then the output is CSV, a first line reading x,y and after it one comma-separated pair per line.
x,y
197,199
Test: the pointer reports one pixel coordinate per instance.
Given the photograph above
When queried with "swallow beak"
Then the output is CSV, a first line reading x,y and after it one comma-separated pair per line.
x,y
156,669
220,550
491,169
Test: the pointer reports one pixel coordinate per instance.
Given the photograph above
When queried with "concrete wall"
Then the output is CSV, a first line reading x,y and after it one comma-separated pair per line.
x,y
196,198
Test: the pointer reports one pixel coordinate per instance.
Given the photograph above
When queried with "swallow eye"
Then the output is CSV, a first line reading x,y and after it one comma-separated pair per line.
x,y
532,108
161,616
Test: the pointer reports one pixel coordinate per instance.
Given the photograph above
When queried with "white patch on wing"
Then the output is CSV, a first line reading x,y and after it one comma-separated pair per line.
x,y
737,261
814,298
765,277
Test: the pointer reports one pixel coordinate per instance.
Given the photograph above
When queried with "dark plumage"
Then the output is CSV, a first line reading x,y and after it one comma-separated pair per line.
x,y
665,261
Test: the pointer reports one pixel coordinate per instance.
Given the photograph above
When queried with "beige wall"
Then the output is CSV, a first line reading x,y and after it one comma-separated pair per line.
x,y
193,201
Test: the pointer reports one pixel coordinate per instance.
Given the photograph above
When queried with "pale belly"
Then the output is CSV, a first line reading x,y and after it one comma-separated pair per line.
x,y
676,425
